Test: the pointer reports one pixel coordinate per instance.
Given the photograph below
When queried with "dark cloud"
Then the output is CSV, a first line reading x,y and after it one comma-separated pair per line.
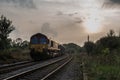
x,y
76,13
78,20
111,4
70,14
115,1
20,3
59,13
46,29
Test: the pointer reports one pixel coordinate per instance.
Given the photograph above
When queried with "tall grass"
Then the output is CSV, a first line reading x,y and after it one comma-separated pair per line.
x,y
14,55
103,67
4,55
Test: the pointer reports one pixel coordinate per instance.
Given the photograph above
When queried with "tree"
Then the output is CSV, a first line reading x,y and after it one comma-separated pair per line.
x,y
19,42
111,33
25,44
89,46
72,48
119,34
6,28
110,42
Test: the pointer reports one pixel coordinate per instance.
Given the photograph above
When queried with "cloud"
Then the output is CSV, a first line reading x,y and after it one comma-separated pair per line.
x,y
115,1
20,3
78,20
111,4
46,29
16,33
62,20
59,13
58,1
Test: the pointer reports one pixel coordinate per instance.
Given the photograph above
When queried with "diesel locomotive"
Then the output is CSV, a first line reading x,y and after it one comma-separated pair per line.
x,y
41,47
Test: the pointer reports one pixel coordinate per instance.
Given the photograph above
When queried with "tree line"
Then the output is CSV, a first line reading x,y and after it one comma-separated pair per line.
x,y
105,45
6,28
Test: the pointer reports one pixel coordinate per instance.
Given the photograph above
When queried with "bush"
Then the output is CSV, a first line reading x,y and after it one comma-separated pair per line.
x,y
103,67
4,55
107,72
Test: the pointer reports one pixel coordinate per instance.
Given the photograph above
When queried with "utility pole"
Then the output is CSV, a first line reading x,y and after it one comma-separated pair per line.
x,y
119,34
88,38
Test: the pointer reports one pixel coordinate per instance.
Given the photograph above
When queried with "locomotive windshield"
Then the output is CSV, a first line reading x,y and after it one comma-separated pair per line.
x,y
34,40
43,40
39,40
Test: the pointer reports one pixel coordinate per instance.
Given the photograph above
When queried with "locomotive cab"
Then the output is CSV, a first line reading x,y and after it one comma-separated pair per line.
x,y
38,46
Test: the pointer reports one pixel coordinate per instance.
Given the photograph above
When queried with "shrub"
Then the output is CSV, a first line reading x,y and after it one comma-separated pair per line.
x,y
4,55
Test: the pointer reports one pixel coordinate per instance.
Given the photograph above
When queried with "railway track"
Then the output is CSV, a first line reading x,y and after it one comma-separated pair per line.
x,y
50,74
13,67
39,71
13,64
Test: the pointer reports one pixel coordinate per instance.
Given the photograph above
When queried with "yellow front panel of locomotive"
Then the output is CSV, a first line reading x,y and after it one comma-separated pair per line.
x,y
39,47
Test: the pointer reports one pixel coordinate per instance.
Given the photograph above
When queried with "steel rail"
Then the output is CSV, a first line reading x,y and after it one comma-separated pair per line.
x,y
33,69
16,67
13,64
58,68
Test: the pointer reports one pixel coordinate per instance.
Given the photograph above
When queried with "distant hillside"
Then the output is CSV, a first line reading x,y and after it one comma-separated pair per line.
x,y
72,48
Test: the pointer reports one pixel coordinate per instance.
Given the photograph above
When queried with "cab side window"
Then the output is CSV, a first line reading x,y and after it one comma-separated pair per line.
x,y
51,43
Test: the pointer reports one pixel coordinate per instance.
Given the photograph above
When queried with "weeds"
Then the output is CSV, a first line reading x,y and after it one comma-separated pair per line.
x,y
4,55
10,56
103,67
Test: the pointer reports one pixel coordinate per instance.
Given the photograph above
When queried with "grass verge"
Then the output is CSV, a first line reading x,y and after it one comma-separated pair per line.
x,y
102,67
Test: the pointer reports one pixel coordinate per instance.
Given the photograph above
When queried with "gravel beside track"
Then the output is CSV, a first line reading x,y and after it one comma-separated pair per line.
x,y
70,72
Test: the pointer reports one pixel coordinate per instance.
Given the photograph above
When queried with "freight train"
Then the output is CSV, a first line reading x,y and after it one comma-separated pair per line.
x,y
41,47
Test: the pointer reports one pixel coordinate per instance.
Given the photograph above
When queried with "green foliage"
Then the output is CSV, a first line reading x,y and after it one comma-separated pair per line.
x,y
5,29
72,48
111,33
25,44
89,46
109,42
104,45
19,44
105,64
106,51
102,67
4,55
106,72
7,45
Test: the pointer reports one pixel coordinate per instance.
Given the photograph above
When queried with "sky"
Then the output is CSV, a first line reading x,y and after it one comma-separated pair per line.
x,y
64,21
